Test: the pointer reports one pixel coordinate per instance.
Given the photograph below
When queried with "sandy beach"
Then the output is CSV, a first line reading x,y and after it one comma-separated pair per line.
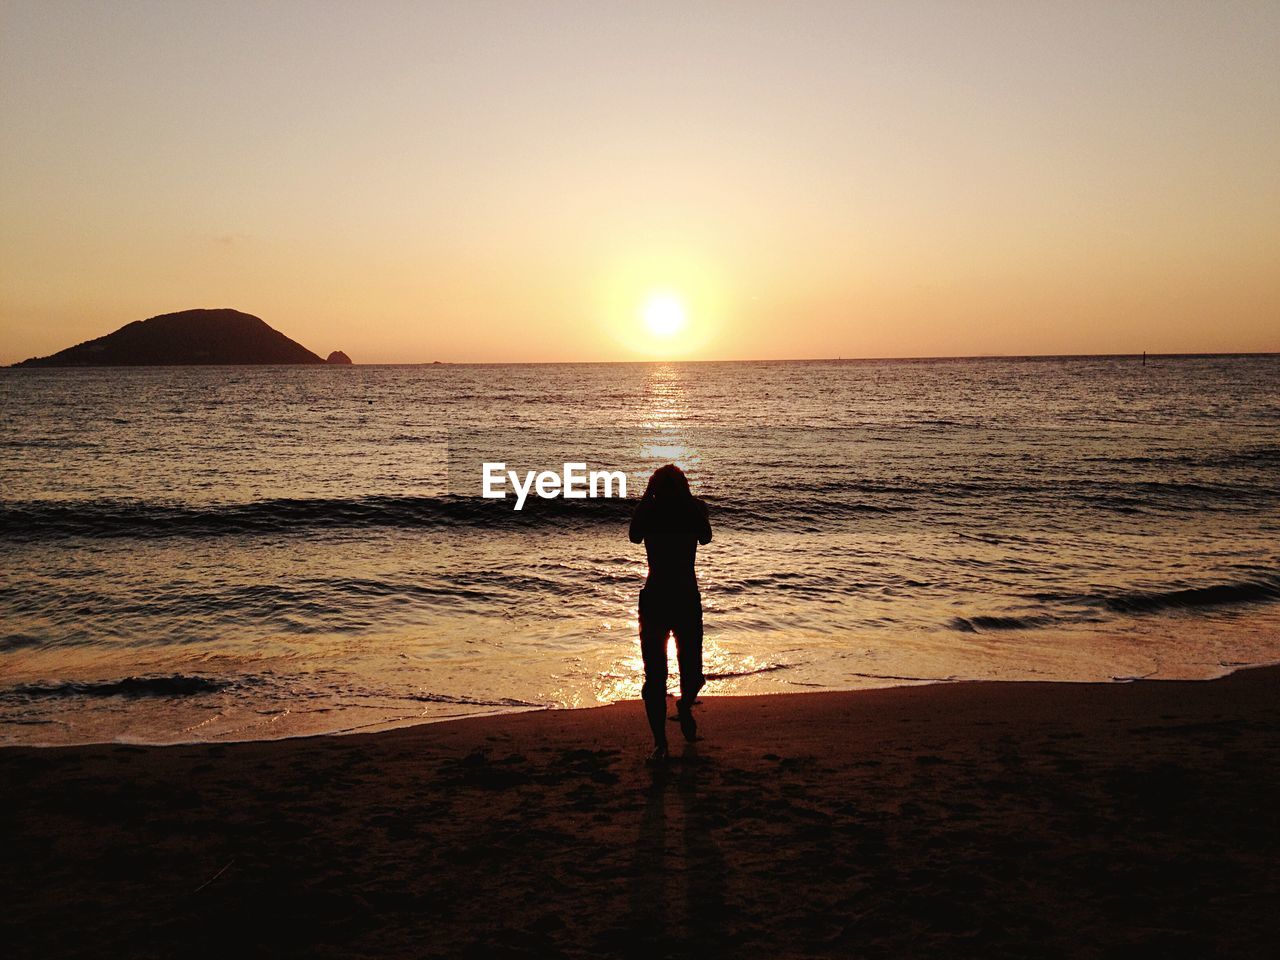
x,y
983,819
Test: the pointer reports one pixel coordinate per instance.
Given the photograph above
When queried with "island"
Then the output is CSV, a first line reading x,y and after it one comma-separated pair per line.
x,y
338,357
189,337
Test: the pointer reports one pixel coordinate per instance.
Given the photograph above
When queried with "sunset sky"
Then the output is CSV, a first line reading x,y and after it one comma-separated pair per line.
x,y
533,181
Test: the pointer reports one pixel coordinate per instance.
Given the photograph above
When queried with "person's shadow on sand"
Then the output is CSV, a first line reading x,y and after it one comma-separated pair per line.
x,y
653,929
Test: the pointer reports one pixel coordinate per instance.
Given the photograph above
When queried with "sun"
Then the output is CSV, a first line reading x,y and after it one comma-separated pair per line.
x,y
664,314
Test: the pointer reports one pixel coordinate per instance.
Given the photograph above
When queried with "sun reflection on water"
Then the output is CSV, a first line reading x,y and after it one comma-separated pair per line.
x,y
725,670
664,437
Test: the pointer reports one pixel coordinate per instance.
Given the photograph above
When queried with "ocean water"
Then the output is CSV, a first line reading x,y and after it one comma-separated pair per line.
x,y
235,553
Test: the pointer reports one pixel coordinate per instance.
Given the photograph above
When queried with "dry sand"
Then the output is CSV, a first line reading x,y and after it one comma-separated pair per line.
x,y
983,819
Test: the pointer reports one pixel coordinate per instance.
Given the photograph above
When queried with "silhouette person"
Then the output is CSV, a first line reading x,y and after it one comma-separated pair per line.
x,y
671,522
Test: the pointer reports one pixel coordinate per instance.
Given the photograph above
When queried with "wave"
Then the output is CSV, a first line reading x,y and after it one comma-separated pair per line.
x,y
176,685
45,520
37,520
472,701
802,507
733,674
1261,590
980,623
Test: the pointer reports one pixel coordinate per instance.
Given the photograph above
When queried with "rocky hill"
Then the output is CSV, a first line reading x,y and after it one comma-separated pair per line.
x,y
189,337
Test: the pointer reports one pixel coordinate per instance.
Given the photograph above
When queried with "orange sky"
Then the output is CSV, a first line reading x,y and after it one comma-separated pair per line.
x,y
502,181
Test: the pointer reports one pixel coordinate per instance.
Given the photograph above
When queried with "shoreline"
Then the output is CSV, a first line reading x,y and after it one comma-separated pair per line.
x,y
991,818
376,727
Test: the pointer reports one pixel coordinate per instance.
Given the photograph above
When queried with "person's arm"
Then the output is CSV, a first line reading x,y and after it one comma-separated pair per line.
x,y
637,524
704,524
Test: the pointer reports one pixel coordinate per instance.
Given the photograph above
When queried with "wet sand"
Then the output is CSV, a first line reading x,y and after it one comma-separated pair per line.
x,y
978,819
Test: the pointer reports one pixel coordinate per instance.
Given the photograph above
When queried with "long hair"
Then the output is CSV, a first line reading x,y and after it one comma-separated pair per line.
x,y
668,485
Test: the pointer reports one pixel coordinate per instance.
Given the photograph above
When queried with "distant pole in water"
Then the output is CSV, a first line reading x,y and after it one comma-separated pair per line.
x,y
1144,358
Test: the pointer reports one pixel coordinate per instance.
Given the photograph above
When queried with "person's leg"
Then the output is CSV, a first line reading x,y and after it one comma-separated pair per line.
x,y
688,631
653,650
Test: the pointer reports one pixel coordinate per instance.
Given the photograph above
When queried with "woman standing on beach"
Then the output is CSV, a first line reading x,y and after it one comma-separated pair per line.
x,y
671,522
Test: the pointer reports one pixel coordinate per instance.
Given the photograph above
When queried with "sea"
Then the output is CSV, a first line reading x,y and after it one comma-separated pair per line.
x,y
231,553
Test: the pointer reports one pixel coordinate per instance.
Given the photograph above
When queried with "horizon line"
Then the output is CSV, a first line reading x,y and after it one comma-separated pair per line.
x,y
890,359
839,359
